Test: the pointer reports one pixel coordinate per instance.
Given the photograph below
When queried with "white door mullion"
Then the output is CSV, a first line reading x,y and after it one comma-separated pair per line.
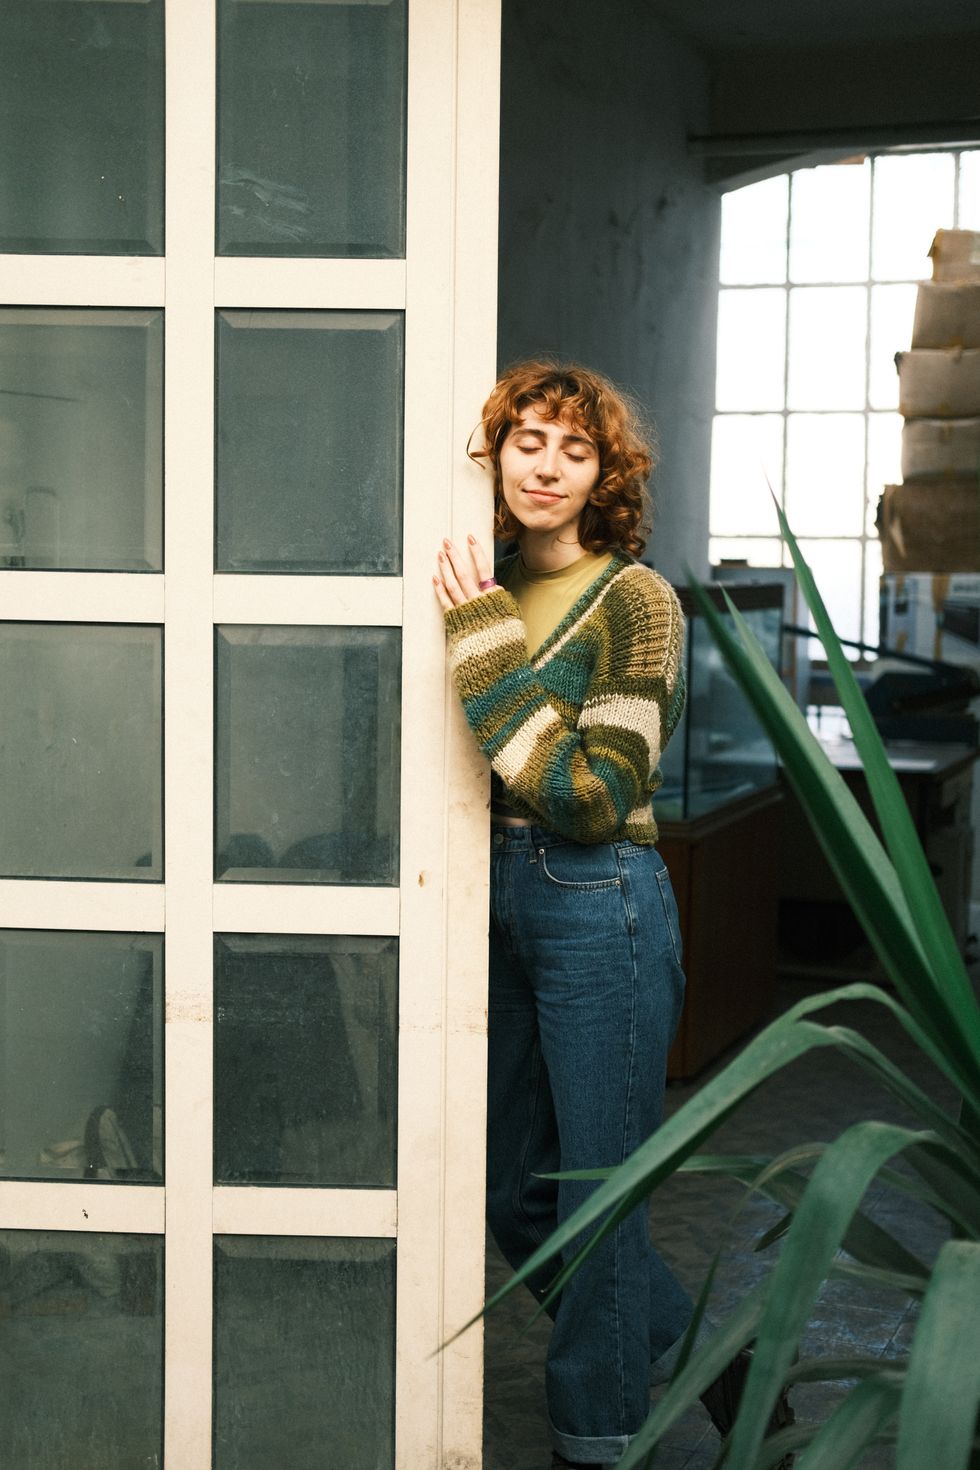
x,y
45,903
190,101
83,280
360,602
464,1103
292,908
311,285
444,906
82,597
242,1210
47,1205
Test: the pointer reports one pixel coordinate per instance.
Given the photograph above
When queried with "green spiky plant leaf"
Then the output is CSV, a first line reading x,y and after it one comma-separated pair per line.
x,y
928,1404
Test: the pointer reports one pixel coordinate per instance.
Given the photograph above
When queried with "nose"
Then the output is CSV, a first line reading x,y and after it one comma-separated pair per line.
x,y
547,466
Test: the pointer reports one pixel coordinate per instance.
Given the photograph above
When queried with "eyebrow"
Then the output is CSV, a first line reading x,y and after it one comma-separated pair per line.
x,y
566,438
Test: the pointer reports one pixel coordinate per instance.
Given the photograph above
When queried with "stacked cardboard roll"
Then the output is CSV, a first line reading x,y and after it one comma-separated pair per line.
x,y
931,522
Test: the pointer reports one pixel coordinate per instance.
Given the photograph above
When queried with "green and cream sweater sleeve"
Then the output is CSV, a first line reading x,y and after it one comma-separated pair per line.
x,y
582,749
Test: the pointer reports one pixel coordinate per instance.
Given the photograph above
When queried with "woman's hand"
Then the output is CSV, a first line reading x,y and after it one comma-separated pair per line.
x,y
462,577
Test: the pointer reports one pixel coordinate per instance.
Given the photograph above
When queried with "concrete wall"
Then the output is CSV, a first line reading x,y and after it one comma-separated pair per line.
x,y
608,234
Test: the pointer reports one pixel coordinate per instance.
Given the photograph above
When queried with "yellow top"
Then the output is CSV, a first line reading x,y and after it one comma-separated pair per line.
x,y
544,598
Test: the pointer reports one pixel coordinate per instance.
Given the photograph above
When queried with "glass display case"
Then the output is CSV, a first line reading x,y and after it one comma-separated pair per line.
x,y
719,752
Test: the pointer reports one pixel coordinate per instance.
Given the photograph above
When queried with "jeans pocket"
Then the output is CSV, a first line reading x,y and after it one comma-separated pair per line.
x,y
671,916
585,868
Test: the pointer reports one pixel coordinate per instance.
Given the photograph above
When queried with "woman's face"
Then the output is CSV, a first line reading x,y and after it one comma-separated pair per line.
x,y
548,470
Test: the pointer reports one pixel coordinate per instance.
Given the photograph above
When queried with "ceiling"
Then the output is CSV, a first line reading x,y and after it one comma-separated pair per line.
x,y
722,25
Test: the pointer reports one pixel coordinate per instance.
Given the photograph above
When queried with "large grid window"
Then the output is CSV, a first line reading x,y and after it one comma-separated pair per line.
x,y
819,270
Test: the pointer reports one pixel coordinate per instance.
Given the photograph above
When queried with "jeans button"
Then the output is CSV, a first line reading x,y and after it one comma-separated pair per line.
x,y
498,838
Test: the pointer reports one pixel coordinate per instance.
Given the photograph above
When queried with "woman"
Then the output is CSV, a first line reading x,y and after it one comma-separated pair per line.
x,y
569,669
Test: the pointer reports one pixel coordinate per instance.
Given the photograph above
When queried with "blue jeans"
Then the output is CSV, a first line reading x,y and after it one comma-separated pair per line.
x,y
585,993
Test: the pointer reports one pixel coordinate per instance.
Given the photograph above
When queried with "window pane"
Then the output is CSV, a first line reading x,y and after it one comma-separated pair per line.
x,y
825,473
304,1060
81,140
829,223
322,1311
892,311
872,593
755,551
969,201
827,334
753,233
836,566
746,460
81,440
80,751
884,459
82,1319
913,198
751,350
81,1055
309,441
307,754
311,128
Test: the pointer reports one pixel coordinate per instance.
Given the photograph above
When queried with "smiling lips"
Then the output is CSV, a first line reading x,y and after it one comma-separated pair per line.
x,y
545,497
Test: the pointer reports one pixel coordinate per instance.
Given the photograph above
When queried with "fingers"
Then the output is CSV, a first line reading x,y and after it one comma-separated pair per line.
x,y
442,596
463,570
450,581
484,571
459,574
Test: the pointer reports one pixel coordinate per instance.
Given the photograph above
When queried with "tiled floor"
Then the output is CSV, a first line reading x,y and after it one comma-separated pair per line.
x,y
813,1099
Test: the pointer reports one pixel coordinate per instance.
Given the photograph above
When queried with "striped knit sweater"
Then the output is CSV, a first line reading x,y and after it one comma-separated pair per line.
x,y
576,732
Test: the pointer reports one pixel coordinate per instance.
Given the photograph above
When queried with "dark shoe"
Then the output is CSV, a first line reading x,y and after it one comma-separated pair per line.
x,y
722,1398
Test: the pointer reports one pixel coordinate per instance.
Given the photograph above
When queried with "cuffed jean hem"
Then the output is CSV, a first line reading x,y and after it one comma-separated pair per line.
x,y
598,1450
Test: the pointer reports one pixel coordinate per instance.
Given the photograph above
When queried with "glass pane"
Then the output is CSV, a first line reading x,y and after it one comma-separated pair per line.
x,y
746,460
81,143
81,440
311,128
322,1311
913,198
872,593
307,754
825,473
81,751
751,350
753,233
304,1060
82,1324
829,223
968,213
836,566
81,1055
884,459
755,551
309,441
827,334
892,311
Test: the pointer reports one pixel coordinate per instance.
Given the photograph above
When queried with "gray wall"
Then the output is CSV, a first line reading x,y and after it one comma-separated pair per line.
x,y
608,234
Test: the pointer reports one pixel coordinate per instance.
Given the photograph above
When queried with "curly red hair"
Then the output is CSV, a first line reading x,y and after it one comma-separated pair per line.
x,y
617,516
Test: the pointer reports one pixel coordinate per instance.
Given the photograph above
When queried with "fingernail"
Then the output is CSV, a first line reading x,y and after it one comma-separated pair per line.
x,y
447,543
442,556
471,540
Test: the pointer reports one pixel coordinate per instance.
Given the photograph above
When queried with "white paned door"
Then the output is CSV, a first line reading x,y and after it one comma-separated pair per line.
x,y
247,319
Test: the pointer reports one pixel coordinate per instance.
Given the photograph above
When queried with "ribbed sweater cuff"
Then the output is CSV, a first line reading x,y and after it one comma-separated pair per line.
x,y
480,612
